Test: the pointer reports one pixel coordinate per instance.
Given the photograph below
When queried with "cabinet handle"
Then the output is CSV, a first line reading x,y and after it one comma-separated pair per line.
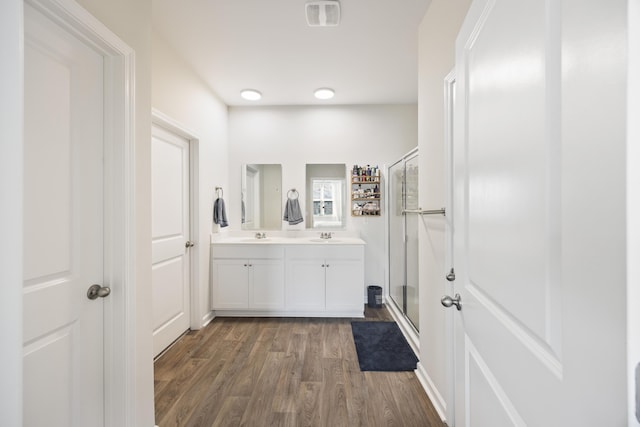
x,y
327,265
322,265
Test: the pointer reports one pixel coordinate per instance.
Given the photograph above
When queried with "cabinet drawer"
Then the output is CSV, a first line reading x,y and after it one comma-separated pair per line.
x,y
255,251
325,251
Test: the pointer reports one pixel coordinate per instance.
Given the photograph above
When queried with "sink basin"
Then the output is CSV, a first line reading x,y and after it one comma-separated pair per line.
x,y
332,240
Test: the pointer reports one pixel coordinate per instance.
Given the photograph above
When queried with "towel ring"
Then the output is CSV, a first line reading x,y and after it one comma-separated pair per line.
x,y
294,192
219,192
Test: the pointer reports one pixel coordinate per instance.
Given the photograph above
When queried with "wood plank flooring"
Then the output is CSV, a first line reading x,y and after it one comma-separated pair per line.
x,y
282,372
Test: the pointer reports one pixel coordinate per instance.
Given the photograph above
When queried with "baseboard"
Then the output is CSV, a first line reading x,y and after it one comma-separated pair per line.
x,y
435,397
207,318
355,313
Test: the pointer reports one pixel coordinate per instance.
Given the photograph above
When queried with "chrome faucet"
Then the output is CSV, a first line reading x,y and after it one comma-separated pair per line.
x,y
326,235
261,235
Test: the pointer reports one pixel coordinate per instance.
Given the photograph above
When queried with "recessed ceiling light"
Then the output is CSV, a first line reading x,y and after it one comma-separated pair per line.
x,y
250,94
324,93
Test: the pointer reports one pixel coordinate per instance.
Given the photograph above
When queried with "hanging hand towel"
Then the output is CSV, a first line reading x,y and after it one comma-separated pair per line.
x,y
292,212
220,213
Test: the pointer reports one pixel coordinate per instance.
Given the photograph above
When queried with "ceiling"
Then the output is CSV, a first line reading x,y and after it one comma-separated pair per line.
x,y
370,58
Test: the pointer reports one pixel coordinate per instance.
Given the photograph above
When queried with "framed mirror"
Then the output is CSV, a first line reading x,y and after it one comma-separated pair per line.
x,y
261,197
326,195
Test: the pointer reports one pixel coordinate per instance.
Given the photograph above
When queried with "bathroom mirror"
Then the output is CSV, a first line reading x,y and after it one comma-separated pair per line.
x,y
326,194
261,198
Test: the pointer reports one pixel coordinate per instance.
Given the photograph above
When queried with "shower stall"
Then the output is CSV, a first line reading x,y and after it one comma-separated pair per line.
x,y
403,236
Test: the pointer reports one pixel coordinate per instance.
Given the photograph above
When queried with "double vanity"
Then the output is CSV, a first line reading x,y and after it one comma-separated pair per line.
x,y
302,276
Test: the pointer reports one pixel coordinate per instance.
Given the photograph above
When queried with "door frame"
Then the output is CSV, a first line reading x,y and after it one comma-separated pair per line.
x,y
633,213
11,135
164,121
407,328
449,111
119,190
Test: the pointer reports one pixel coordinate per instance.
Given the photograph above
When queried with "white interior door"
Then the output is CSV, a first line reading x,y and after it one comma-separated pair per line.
x,y
63,227
537,341
170,237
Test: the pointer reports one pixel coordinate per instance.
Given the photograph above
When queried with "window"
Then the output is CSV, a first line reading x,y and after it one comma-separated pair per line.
x,y
327,196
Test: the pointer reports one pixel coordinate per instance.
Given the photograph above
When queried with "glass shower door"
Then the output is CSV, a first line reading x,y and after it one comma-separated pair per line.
x,y
396,236
411,226
403,238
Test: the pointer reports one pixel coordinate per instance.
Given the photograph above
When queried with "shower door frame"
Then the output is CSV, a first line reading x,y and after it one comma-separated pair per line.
x,y
401,309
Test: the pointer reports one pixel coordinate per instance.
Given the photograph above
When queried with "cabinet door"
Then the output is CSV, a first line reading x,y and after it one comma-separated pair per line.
x,y
266,284
230,283
305,284
344,285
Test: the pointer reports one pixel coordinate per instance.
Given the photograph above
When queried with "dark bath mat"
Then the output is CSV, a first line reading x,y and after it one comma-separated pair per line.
x,y
382,347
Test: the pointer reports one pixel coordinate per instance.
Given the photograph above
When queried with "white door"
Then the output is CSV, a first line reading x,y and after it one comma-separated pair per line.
x,y
538,254
171,265
63,226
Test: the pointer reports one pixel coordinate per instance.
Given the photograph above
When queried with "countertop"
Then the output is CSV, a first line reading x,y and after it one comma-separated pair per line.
x,y
278,240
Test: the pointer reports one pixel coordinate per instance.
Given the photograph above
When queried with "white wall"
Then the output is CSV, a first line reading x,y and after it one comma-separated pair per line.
x,y
11,213
295,136
437,35
179,94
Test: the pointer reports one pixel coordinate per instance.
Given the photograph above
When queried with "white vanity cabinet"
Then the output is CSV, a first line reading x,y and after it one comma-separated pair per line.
x,y
325,279
306,278
247,277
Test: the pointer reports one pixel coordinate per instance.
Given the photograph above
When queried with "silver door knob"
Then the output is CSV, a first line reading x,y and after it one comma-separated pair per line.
x,y
451,276
447,301
189,244
96,291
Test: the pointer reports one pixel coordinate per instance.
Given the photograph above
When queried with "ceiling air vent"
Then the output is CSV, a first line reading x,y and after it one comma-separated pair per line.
x,y
323,13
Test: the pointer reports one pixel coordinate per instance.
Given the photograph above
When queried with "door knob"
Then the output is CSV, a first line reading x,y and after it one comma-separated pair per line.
x,y
451,276
96,291
189,244
447,301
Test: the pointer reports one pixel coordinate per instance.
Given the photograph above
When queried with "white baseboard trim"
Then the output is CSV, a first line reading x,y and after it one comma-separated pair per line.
x,y
207,318
355,313
435,397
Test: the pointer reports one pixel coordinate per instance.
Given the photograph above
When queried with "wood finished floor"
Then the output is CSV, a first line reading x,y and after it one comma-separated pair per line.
x,y
282,372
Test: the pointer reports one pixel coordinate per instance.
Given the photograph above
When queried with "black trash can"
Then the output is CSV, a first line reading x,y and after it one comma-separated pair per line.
x,y
374,294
